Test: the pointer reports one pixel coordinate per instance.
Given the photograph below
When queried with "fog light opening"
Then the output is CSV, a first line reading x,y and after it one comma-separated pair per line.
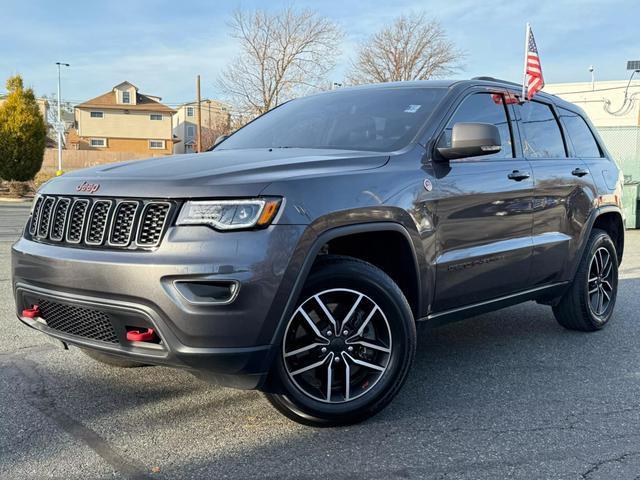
x,y
204,292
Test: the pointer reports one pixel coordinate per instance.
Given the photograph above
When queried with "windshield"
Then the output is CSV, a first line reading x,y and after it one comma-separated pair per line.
x,y
376,119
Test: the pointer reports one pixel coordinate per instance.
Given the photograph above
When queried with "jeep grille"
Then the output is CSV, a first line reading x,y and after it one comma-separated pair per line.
x,y
106,223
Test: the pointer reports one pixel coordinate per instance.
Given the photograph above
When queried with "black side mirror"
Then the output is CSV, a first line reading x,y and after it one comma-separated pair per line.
x,y
471,140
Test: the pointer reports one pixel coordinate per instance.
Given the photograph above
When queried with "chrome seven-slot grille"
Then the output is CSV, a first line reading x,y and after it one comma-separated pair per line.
x,y
99,222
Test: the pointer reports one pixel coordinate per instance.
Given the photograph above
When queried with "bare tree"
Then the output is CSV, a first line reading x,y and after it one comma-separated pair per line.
x,y
412,48
221,125
283,55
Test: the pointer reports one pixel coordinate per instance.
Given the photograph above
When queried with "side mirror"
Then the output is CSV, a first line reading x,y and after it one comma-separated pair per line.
x,y
472,140
220,139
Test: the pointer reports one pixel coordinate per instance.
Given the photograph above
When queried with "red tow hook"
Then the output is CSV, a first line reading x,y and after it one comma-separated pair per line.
x,y
32,312
147,335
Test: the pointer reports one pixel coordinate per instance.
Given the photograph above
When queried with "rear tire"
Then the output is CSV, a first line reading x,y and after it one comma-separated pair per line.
x,y
588,304
111,360
355,324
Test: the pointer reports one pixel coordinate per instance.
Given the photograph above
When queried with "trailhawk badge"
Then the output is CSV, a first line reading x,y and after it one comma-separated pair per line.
x,y
88,187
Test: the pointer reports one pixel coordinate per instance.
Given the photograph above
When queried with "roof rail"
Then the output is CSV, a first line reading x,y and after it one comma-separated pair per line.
x,y
492,79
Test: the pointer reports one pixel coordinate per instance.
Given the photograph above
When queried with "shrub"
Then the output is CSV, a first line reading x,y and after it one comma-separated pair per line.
x,y
22,133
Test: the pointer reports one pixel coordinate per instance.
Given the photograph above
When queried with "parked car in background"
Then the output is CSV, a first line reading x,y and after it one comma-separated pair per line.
x,y
298,255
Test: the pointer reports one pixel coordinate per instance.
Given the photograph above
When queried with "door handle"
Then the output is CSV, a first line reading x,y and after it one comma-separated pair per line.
x,y
518,176
580,172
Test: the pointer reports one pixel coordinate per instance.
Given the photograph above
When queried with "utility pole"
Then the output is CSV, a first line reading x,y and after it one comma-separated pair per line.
x,y
199,126
593,77
60,126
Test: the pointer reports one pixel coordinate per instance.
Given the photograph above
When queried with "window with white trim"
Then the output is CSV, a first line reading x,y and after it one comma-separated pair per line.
x,y
98,142
97,114
155,116
126,97
156,144
191,131
189,111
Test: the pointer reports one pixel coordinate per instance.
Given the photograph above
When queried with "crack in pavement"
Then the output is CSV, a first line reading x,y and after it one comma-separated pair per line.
x,y
39,398
619,459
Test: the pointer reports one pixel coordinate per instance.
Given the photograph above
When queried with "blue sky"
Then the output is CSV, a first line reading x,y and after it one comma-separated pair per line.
x,y
160,46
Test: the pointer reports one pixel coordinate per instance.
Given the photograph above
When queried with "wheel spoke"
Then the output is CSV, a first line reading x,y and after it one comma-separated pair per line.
x,y
312,325
304,349
607,270
600,263
593,290
326,312
365,364
608,284
353,309
606,294
600,300
373,346
347,378
329,379
312,366
605,262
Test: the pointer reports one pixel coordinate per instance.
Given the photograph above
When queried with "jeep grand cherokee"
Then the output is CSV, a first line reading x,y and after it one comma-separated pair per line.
x,y
298,255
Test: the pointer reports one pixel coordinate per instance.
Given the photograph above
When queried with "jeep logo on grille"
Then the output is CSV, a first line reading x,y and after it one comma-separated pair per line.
x,y
88,187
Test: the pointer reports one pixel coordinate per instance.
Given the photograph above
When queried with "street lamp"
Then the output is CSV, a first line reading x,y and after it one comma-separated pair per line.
x,y
60,126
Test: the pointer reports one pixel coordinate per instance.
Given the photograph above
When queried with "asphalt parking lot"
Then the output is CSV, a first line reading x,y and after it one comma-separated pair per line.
x,y
508,394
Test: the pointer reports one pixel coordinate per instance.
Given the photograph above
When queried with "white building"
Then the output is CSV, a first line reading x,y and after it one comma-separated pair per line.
x,y
604,102
215,121
614,110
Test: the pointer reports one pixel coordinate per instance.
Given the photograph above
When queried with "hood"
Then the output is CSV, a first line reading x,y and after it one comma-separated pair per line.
x,y
222,173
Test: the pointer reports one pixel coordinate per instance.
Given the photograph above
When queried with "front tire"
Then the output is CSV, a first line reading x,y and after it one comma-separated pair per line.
x,y
348,346
588,304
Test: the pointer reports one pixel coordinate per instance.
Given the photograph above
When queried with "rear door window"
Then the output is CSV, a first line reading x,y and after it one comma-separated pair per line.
x,y
482,108
541,134
582,139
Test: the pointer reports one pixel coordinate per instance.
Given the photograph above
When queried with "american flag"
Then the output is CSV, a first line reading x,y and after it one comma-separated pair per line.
x,y
533,70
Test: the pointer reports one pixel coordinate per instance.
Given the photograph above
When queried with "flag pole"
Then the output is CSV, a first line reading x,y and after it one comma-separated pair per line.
x,y
524,71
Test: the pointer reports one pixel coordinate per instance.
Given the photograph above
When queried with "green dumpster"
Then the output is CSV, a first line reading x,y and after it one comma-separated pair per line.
x,y
630,204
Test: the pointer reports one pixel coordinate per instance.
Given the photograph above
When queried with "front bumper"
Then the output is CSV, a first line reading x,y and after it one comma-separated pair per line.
x,y
229,344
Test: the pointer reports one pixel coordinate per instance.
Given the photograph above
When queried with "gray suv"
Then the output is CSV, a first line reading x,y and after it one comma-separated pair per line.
x,y
298,256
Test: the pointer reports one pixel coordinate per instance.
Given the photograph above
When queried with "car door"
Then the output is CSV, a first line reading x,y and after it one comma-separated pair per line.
x,y
484,214
561,199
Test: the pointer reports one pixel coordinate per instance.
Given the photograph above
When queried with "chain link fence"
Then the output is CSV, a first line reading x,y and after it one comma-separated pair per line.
x,y
624,145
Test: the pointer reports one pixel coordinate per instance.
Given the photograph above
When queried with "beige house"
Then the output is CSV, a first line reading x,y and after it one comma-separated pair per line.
x,y
123,120
604,102
215,121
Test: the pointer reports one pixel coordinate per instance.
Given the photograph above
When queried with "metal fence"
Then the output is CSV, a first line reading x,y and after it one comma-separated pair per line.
x,y
624,145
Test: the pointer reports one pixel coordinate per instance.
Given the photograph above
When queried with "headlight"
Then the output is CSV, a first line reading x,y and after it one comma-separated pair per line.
x,y
229,214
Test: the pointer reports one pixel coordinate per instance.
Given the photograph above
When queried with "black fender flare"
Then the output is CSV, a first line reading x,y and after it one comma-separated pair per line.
x,y
587,232
315,247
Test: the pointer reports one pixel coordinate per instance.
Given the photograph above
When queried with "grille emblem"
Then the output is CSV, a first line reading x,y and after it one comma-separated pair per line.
x,y
88,187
